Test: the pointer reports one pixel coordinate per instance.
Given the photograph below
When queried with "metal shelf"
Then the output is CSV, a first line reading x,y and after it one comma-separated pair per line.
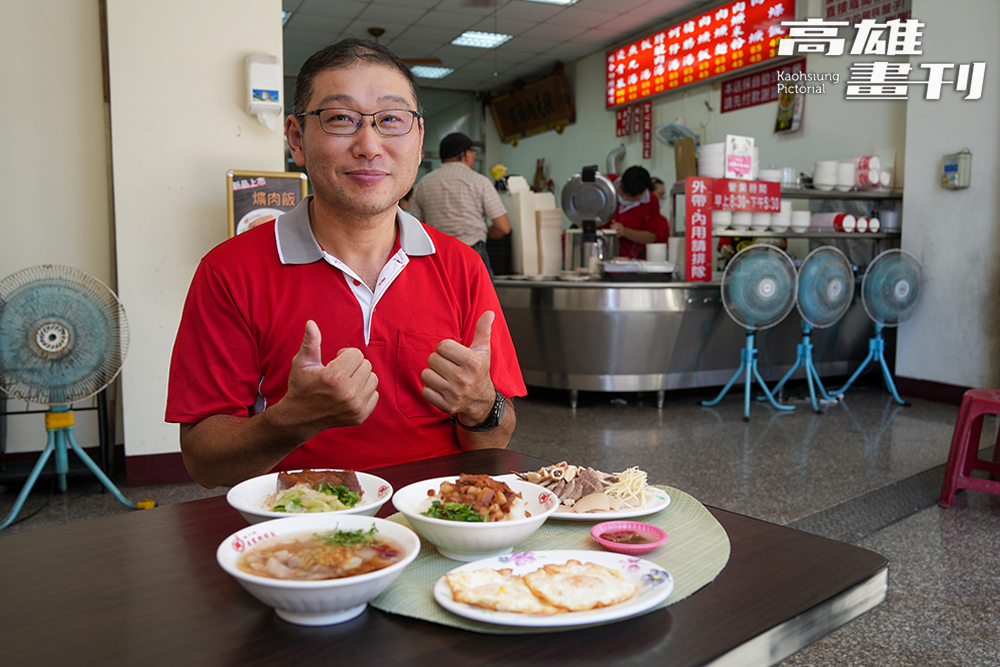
x,y
860,236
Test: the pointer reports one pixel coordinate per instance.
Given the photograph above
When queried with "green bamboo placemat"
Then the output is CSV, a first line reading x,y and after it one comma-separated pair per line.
x,y
695,553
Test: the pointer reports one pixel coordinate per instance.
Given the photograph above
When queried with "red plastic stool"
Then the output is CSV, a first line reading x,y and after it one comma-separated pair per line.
x,y
964,455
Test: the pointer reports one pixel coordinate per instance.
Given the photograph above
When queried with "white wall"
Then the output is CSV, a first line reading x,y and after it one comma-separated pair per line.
x,y
954,336
54,172
178,125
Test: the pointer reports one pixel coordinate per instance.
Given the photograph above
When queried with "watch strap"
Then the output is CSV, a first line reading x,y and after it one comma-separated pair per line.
x,y
493,420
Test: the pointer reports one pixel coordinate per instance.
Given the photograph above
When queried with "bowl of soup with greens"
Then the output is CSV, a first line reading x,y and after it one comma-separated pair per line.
x,y
318,569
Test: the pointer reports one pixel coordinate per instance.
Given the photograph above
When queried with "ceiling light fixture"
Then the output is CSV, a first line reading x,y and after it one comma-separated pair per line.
x,y
556,2
425,72
481,40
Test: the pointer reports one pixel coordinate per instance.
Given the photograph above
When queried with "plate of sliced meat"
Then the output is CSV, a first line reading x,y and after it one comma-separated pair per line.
x,y
587,494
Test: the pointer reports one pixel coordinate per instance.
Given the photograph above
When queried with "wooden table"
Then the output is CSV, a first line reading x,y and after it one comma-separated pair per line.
x,y
144,589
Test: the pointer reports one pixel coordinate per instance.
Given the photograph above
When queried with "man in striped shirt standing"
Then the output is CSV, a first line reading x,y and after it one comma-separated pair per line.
x,y
458,200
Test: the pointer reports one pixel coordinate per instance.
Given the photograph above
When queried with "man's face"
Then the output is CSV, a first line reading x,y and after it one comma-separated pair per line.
x,y
365,174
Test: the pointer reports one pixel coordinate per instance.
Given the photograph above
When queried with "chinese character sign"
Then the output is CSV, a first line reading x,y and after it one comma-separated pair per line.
x,y
895,36
623,121
760,87
698,228
857,10
755,196
647,130
720,41
257,197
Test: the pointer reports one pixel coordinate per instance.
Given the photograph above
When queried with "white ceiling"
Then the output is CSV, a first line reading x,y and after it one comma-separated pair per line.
x,y
543,34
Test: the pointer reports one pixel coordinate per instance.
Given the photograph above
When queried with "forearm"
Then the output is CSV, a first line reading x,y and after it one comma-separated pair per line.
x,y
498,438
637,235
223,450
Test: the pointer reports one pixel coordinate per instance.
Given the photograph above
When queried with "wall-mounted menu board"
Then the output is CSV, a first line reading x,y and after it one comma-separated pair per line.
x,y
718,42
254,197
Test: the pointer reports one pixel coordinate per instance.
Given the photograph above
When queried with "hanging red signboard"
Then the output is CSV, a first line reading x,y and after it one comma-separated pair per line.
x,y
720,41
623,122
647,130
698,228
757,88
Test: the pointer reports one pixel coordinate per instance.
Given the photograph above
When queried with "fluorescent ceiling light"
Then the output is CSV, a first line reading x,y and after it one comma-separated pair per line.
x,y
425,72
284,17
480,40
556,2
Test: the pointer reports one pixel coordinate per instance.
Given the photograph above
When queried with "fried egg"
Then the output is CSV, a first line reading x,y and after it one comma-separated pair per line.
x,y
499,590
577,586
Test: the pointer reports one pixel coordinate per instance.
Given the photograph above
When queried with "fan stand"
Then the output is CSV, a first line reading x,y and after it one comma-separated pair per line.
x,y
876,350
59,425
804,359
748,364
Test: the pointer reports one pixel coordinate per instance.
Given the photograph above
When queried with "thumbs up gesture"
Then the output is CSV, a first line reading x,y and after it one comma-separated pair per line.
x,y
457,378
341,392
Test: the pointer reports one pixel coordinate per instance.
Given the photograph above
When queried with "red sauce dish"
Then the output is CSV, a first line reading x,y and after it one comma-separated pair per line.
x,y
628,537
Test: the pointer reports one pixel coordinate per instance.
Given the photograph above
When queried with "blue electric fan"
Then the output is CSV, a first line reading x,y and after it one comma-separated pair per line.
x,y
824,295
890,292
758,291
63,338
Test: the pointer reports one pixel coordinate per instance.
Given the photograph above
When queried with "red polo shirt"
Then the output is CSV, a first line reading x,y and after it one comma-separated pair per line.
x,y
245,316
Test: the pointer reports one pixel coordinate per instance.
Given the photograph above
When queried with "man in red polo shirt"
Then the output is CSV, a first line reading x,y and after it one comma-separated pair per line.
x,y
345,334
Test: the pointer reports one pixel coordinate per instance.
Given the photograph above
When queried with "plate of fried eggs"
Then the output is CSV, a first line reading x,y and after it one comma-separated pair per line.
x,y
553,588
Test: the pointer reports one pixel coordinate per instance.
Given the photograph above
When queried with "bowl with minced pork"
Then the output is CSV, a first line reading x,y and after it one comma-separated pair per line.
x,y
318,569
456,531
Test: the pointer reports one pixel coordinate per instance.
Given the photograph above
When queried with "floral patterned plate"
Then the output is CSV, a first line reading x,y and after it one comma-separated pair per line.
x,y
655,585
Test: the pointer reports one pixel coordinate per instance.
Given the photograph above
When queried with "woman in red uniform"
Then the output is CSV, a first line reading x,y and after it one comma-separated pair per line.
x,y
638,220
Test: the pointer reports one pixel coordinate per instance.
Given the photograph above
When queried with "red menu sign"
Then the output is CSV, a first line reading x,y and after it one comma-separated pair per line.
x,y
736,195
698,227
758,88
727,38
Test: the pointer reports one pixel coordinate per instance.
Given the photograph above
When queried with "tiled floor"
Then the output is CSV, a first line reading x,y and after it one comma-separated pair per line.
x,y
868,471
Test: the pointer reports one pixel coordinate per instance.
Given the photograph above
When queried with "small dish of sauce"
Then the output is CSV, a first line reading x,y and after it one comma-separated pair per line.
x,y
628,537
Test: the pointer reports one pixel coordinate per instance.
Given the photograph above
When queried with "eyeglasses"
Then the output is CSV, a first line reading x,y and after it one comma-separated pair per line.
x,y
346,122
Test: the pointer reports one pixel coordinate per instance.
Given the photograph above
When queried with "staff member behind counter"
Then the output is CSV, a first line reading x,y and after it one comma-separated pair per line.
x,y
638,221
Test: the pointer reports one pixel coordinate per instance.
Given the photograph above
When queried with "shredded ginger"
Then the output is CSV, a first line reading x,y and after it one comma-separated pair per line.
x,y
630,488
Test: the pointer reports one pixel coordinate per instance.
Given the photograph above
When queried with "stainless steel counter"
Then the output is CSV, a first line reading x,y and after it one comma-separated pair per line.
x,y
615,336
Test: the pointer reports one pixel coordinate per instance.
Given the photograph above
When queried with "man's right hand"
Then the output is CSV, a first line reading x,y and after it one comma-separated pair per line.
x,y
339,393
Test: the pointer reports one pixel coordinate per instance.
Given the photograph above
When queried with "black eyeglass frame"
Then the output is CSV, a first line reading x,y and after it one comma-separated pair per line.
x,y
357,127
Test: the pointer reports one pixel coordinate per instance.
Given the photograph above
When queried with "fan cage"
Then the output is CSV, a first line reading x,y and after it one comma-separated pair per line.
x,y
63,335
833,264
892,287
753,277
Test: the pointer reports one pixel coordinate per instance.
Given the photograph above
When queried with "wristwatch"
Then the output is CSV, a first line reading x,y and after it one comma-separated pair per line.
x,y
494,419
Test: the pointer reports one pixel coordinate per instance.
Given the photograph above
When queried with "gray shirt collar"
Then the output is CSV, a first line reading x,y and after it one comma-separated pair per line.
x,y
297,245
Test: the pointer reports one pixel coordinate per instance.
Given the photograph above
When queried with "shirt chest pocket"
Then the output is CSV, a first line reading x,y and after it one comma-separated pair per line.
x,y
412,351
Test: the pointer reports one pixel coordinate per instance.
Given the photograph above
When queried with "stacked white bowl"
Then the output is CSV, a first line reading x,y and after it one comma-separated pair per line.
x,y
825,175
782,220
712,160
847,174
721,219
760,222
742,220
772,174
800,221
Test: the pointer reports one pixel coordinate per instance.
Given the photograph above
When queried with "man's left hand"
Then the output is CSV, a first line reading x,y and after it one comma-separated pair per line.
x,y
457,378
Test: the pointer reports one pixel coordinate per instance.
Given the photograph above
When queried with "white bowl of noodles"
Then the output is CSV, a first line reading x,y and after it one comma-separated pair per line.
x,y
252,497
317,601
465,541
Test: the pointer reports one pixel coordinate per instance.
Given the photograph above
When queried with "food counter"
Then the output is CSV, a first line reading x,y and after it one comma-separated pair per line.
x,y
656,336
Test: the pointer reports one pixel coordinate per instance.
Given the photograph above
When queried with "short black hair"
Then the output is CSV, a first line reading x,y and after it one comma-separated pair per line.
x,y
635,180
343,54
